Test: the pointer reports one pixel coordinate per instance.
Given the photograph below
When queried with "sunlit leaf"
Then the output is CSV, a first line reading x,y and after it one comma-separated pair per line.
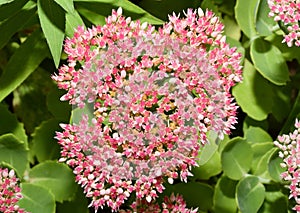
x,y
73,20
5,1
52,19
269,61
67,5
245,15
236,158
57,178
231,29
250,194
257,135
24,61
36,199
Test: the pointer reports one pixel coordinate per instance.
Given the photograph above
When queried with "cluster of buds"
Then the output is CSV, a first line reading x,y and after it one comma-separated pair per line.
x,y
172,204
290,153
155,94
10,192
287,12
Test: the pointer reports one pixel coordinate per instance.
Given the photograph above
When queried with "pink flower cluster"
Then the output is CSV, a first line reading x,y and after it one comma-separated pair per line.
x,y
172,204
290,153
155,94
288,12
10,192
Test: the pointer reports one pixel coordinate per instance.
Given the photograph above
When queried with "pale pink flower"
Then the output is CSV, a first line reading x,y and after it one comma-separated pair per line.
x,y
287,12
289,146
155,94
10,192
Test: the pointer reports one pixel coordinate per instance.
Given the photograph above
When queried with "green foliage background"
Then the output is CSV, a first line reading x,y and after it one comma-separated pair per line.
x,y
237,174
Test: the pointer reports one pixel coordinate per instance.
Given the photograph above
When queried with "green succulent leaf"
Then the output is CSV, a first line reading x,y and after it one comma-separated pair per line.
x,y
224,195
55,177
264,24
254,95
236,158
245,15
36,199
45,147
274,168
268,60
257,135
14,152
10,124
250,194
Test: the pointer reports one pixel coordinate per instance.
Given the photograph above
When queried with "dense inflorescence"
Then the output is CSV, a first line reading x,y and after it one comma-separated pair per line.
x,y
287,12
155,94
172,204
290,153
10,192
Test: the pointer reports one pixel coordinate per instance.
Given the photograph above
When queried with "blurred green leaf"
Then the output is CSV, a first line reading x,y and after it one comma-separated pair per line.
x,y
60,109
14,152
78,205
93,17
274,168
248,122
224,195
24,61
45,147
52,19
162,8
250,194
236,158
10,124
104,7
56,177
254,95
203,193
68,6
36,199
231,29
264,24
13,24
8,10
33,90
257,135
5,1
269,61
290,122
227,7
210,5
245,15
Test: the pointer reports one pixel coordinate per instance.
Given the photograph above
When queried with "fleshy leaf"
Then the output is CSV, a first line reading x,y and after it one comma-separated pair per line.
x,y
268,60
264,24
236,158
52,19
14,152
224,195
254,95
45,147
250,194
275,200
10,124
36,199
57,178
257,135
24,61
245,15
274,168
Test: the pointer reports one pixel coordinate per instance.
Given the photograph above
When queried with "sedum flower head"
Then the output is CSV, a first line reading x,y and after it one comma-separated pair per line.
x,y
290,153
10,192
287,12
172,204
154,94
